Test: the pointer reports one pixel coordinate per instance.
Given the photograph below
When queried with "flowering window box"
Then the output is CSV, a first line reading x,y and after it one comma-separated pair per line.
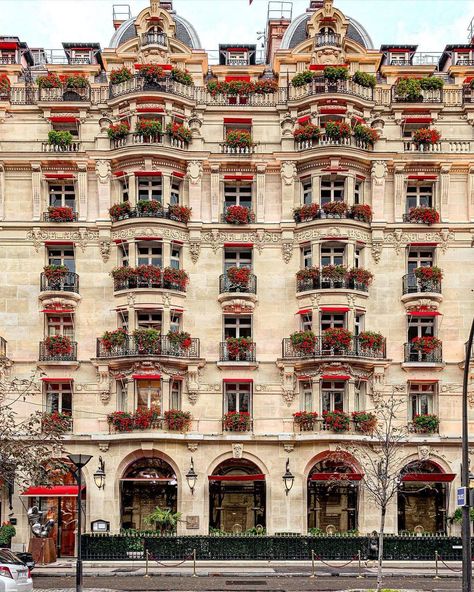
x,y
56,422
237,421
120,75
336,421
238,139
423,215
55,274
239,349
306,213
51,80
149,129
335,209
142,419
307,132
239,215
182,76
426,137
180,340
371,341
119,131
359,278
180,213
305,420
147,341
175,279
62,139
112,340
5,86
337,130
364,421
304,342
177,420
120,211
179,132
333,276
338,340
60,214
426,423
238,278
152,73
425,345
362,212
365,134
58,346
149,208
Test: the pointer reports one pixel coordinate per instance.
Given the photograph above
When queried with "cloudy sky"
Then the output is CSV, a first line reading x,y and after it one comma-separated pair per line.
x,y
46,23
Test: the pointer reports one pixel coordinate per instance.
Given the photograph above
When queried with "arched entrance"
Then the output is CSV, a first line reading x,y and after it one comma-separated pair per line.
x,y
422,497
333,491
237,496
146,484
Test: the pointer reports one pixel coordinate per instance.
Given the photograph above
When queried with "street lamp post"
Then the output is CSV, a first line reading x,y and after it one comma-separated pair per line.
x,y
80,461
466,518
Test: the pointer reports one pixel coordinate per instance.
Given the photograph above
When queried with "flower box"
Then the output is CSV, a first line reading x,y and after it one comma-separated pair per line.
x,y
337,421
60,214
151,72
425,345
428,275
179,132
120,75
149,274
237,421
335,273
114,339
180,213
308,274
122,274
242,88
175,279
149,207
303,342
305,420
120,211
238,348
426,137
307,132
335,73
337,339
74,80
337,130
119,130
52,80
364,421
239,276
360,276
334,209
238,139
142,419
362,212
409,89
177,420
426,423
120,421
239,215
306,213
58,345
180,339
423,215
302,78
148,128
182,76
371,340
147,341
365,134
55,273
56,422
62,139
364,79
5,85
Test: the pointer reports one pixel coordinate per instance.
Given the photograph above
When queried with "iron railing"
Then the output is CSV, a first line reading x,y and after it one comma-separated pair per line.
x,y
161,346
157,139
328,141
47,218
226,285
425,96
406,218
322,283
320,349
68,283
8,60
64,94
139,84
244,428
412,285
322,215
154,38
321,39
133,283
139,212
242,356
45,355
413,355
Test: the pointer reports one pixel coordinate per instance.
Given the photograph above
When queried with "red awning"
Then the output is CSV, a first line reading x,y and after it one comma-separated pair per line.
x,y
150,109
48,379
162,66
257,477
244,120
119,173
238,379
237,79
336,477
55,491
304,119
59,119
8,45
147,173
304,311
421,381
58,242
359,120
58,176
238,177
178,174
332,110
57,310
335,376
432,477
335,309
423,244
239,245
424,313
423,177
418,120
146,376
148,238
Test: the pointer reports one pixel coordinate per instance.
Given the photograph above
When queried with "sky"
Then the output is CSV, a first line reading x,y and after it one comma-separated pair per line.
x,y
46,23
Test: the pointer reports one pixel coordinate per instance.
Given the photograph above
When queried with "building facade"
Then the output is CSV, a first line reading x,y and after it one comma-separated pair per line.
x,y
286,234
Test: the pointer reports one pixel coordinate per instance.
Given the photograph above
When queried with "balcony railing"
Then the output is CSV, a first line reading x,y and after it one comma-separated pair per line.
x,y
426,96
321,39
226,149
68,283
163,85
242,356
413,285
320,350
162,346
138,212
139,139
136,282
327,141
226,285
413,355
319,425
72,147
321,86
321,283
46,356
64,94
410,146
7,60
406,218
154,38
47,217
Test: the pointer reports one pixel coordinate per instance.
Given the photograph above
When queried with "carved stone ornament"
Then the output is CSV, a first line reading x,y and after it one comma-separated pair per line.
x,y
424,452
288,447
379,172
192,379
288,172
288,385
104,396
194,250
286,125
287,251
103,170
194,172
237,450
192,446
328,56
377,247
104,246
104,446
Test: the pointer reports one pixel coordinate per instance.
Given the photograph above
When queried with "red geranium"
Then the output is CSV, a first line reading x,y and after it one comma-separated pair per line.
x,y
237,421
177,420
239,276
306,213
60,214
360,276
371,340
307,132
304,341
423,215
426,136
175,278
58,345
335,208
180,213
432,274
337,421
336,338
239,215
425,345
362,212
120,210
5,84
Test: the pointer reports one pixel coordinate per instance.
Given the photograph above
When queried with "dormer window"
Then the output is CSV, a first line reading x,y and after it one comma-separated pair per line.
x,y
80,56
327,36
82,53
463,57
7,56
237,57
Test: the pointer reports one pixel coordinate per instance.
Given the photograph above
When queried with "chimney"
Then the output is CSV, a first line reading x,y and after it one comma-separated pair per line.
x,y
167,5
275,31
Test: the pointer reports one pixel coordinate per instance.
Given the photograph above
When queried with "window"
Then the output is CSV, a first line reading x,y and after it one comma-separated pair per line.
x,y
150,253
419,196
124,189
175,256
150,188
331,321
62,195
332,256
175,321
122,319
59,397
175,190
332,395
306,256
421,398
307,188
80,56
60,325
237,57
357,257
358,192
238,195
306,321
149,320
122,252
68,126
237,327
237,258
306,391
332,190
420,327
408,129
8,56
359,324
122,395
62,256
360,392
175,394
148,394
237,396
419,258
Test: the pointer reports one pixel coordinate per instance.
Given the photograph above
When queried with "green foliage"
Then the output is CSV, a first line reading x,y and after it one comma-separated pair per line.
x,y
7,532
364,79
302,78
334,73
457,516
59,138
163,520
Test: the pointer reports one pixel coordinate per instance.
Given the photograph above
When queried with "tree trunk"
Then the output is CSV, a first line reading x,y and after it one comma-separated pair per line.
x,y
380,559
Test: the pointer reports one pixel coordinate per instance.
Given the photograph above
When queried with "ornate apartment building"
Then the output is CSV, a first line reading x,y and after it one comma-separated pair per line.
x,y
220,264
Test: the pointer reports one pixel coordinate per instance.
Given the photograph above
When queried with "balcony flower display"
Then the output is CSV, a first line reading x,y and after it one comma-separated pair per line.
x,y
181,339
148,128
58,345
364,79
306,213
336,273
365,134
426,137
120,421
427,275
60,214
239,276
362,212
234,87
180,213
120,75
5,84
123,273
148,273
52,80
266,86
177,420
74,80
423,215
364,421
338,130
56,422
238,347
335,73
371,340
305,420
239,215
179,132
175,278
60,138
55,273
426,423
120,211
308,274
142,419
307,132
303,341
147,340
337,339
182,76
410,89
149,206
114,339
119,130
237,421
238,139
151,72
426,344
302,78
337,421
359,275
334,208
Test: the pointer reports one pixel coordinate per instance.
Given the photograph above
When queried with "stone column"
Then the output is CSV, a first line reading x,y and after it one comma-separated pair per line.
x,y
132,189
215,193
82,188
399,201
194,176
470,194
132,253
102,170
166,188
260,191
378,174
165,393
36,189
315,188
166,253
288,180
441,203
349,189
316,387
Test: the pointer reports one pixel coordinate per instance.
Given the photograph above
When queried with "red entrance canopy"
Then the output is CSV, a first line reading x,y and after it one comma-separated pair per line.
x,y
257,477
432,477
336,476
55,491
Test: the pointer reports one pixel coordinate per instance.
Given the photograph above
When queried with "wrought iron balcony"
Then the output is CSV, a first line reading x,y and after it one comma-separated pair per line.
x,y
333,39
161,346
154,38
321,283
48,217
321,86
409,220
46,355
413,285
226,285
320,350
248,355
65,94
138,212
132,283
138,84
72,147
67,283
7,60
413,355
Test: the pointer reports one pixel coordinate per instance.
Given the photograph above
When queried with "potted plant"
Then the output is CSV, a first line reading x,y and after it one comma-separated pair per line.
x,y
423,215
362,212
365,134
145,418
306,213
119,130
182,76
335,209
120,421
7,532
178,131
426,344
266,86
150,275
238,139
238,348
305,420
239,277
56,422
135,548
180,339
147,341
426,423
426,137
55,274
360,277
239,215
151,73
335,73
165,521
74,80
124,274
371,340
428,276
337,130
177,420
120,211
337,421
52,80
149,207
431,83
337,339
308,275
307,132
175,279
237,421
58,345
302,78
304,342
120,75
334,273
180,213
5,85
364,79
114,339
148,128
61,138
60,214
364,421
409,90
